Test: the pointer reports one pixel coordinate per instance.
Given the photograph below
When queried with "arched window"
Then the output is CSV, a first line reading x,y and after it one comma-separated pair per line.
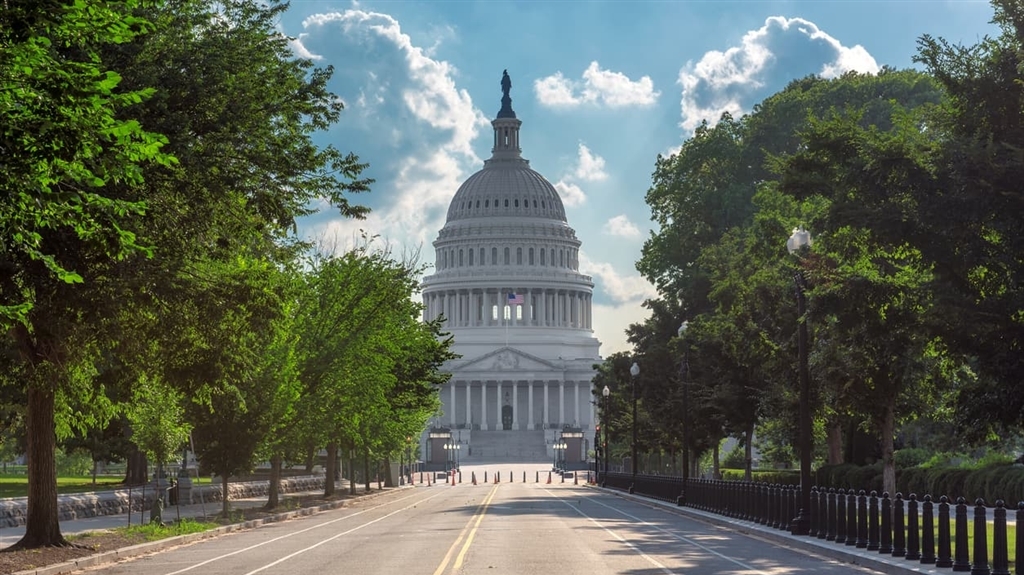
x,y
494,256
519,256
481,262
517,203
543,262
506,203
542,205
535,204
445,260
487,203
478,204
561,257
471,256
506,257
460,258
530,255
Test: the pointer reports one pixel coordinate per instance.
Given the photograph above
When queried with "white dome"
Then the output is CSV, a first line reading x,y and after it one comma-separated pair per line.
x,y
506,188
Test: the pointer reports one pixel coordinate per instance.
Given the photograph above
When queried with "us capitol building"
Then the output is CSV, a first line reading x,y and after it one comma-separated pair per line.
x,y
507,282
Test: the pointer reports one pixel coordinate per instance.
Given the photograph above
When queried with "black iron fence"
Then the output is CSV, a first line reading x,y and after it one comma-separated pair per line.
x,y
924,530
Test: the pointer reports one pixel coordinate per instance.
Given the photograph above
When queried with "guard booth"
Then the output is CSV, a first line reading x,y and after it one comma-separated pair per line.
x,y
575,456
437,455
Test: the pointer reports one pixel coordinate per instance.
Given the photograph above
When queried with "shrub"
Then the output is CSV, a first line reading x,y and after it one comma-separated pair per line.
x,y
736,458
75,463
910,457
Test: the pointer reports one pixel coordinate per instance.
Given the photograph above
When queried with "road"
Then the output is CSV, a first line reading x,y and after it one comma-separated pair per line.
x,y
496,529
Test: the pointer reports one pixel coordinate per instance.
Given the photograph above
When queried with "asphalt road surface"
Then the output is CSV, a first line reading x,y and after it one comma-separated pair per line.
x,y
509,528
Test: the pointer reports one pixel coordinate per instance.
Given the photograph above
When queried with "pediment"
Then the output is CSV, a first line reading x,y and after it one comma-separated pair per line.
x,y
507,359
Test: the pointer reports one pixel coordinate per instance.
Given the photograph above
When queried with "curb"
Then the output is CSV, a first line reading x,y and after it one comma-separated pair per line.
x,y
821,547
115,555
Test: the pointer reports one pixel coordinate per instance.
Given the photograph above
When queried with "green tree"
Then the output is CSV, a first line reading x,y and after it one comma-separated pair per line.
x,y
64,144
158,425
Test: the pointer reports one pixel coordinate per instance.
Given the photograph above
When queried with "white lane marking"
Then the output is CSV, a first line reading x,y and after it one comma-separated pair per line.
x,y
652,560
333,537
681,538
317,526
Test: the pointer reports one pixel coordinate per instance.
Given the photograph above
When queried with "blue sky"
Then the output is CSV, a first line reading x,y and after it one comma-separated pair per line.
x,y
602,88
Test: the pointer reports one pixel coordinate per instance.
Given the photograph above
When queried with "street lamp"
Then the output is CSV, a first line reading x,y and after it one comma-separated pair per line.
x,y
634,370
801,525
684,373
607,396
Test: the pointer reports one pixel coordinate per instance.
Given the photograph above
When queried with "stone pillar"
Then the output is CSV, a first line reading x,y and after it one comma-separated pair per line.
x,y
576,388
542,316
469,405
451,410
483,405
529,400
498,424
547,420
561,403
515,405
441,303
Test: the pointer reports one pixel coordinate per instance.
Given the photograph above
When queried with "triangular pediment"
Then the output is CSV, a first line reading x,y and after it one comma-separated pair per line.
x,y
507,359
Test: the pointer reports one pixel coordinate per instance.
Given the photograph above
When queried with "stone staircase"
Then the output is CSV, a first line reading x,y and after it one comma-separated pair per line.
x,y
508,446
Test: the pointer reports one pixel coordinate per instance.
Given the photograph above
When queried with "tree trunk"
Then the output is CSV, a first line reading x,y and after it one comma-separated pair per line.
x,y
351,471
748,454
274,487
42,526
225,508
888,431
366,469
389,479
716,473
136,472
835,442
310,460
329,468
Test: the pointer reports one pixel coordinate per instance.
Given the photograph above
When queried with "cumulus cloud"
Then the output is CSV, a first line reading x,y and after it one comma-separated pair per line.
x,y
620,287
596,86
590,167
570,193
408,112
621,226
627,293
782,50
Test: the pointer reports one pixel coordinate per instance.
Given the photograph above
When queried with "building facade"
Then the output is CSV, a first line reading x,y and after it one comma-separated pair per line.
x,y
507,282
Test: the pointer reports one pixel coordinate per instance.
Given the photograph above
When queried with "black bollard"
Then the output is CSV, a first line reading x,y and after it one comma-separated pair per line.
x,y
485,476
899,536
831,516
812,513
927,531
841,517
1000,554
822,513
873,531
885,535
862,520
538,477
961,552
945,558
524,477
772,516
913,532
851,517
980,564
1020,537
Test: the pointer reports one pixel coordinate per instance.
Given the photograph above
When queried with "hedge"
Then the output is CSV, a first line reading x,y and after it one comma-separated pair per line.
x,y
991,482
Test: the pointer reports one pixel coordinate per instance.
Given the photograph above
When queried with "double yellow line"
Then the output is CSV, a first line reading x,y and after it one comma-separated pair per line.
x,y
470,529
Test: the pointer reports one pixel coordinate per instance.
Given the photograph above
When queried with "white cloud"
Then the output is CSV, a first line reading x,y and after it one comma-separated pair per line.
x,y
782,50
628,294
620,288
590,167
410,112
570,193
610,322
621,226
597,86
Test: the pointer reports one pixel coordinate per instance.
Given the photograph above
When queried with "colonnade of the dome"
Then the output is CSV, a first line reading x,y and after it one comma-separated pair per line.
x,y
507,255
489,307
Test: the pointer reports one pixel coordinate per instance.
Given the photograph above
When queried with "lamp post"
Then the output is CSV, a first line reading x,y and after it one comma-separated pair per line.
x,y
606,393
684,373
801,525
634,371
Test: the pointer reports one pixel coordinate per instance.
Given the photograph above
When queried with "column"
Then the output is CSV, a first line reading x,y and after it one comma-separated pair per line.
x,y
483,405
576,388
440,303
469,406
498,424
515,405
542,317
451,411
529,398
561,403
545,414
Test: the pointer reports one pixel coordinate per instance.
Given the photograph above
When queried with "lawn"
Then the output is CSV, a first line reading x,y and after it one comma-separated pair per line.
x,y
16,485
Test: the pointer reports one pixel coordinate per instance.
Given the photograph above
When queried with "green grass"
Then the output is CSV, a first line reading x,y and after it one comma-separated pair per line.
x,y
154,532
17,485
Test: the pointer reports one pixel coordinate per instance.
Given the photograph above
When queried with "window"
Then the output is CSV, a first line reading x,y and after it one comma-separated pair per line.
x,y
481,262
445,260
519,256
487,203
478,204
506,203
542,205
517,203
470,257
494,256
535,204
506,257
561,257
494,312
531,256
542,260
460,258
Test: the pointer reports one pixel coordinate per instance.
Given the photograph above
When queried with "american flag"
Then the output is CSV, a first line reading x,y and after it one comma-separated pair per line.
x,y
515,299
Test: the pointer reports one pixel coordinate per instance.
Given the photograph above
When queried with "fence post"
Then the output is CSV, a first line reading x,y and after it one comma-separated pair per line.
x,y
851,517
814,512
945,558
830,534
980,564
899,537
928,531
822,513
841,516
961,554
873,532
772,516
1020,536
913,532
1000,556
885,536
862,520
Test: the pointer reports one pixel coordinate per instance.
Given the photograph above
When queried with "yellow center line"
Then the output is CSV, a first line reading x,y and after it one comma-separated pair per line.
x,y
468,528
